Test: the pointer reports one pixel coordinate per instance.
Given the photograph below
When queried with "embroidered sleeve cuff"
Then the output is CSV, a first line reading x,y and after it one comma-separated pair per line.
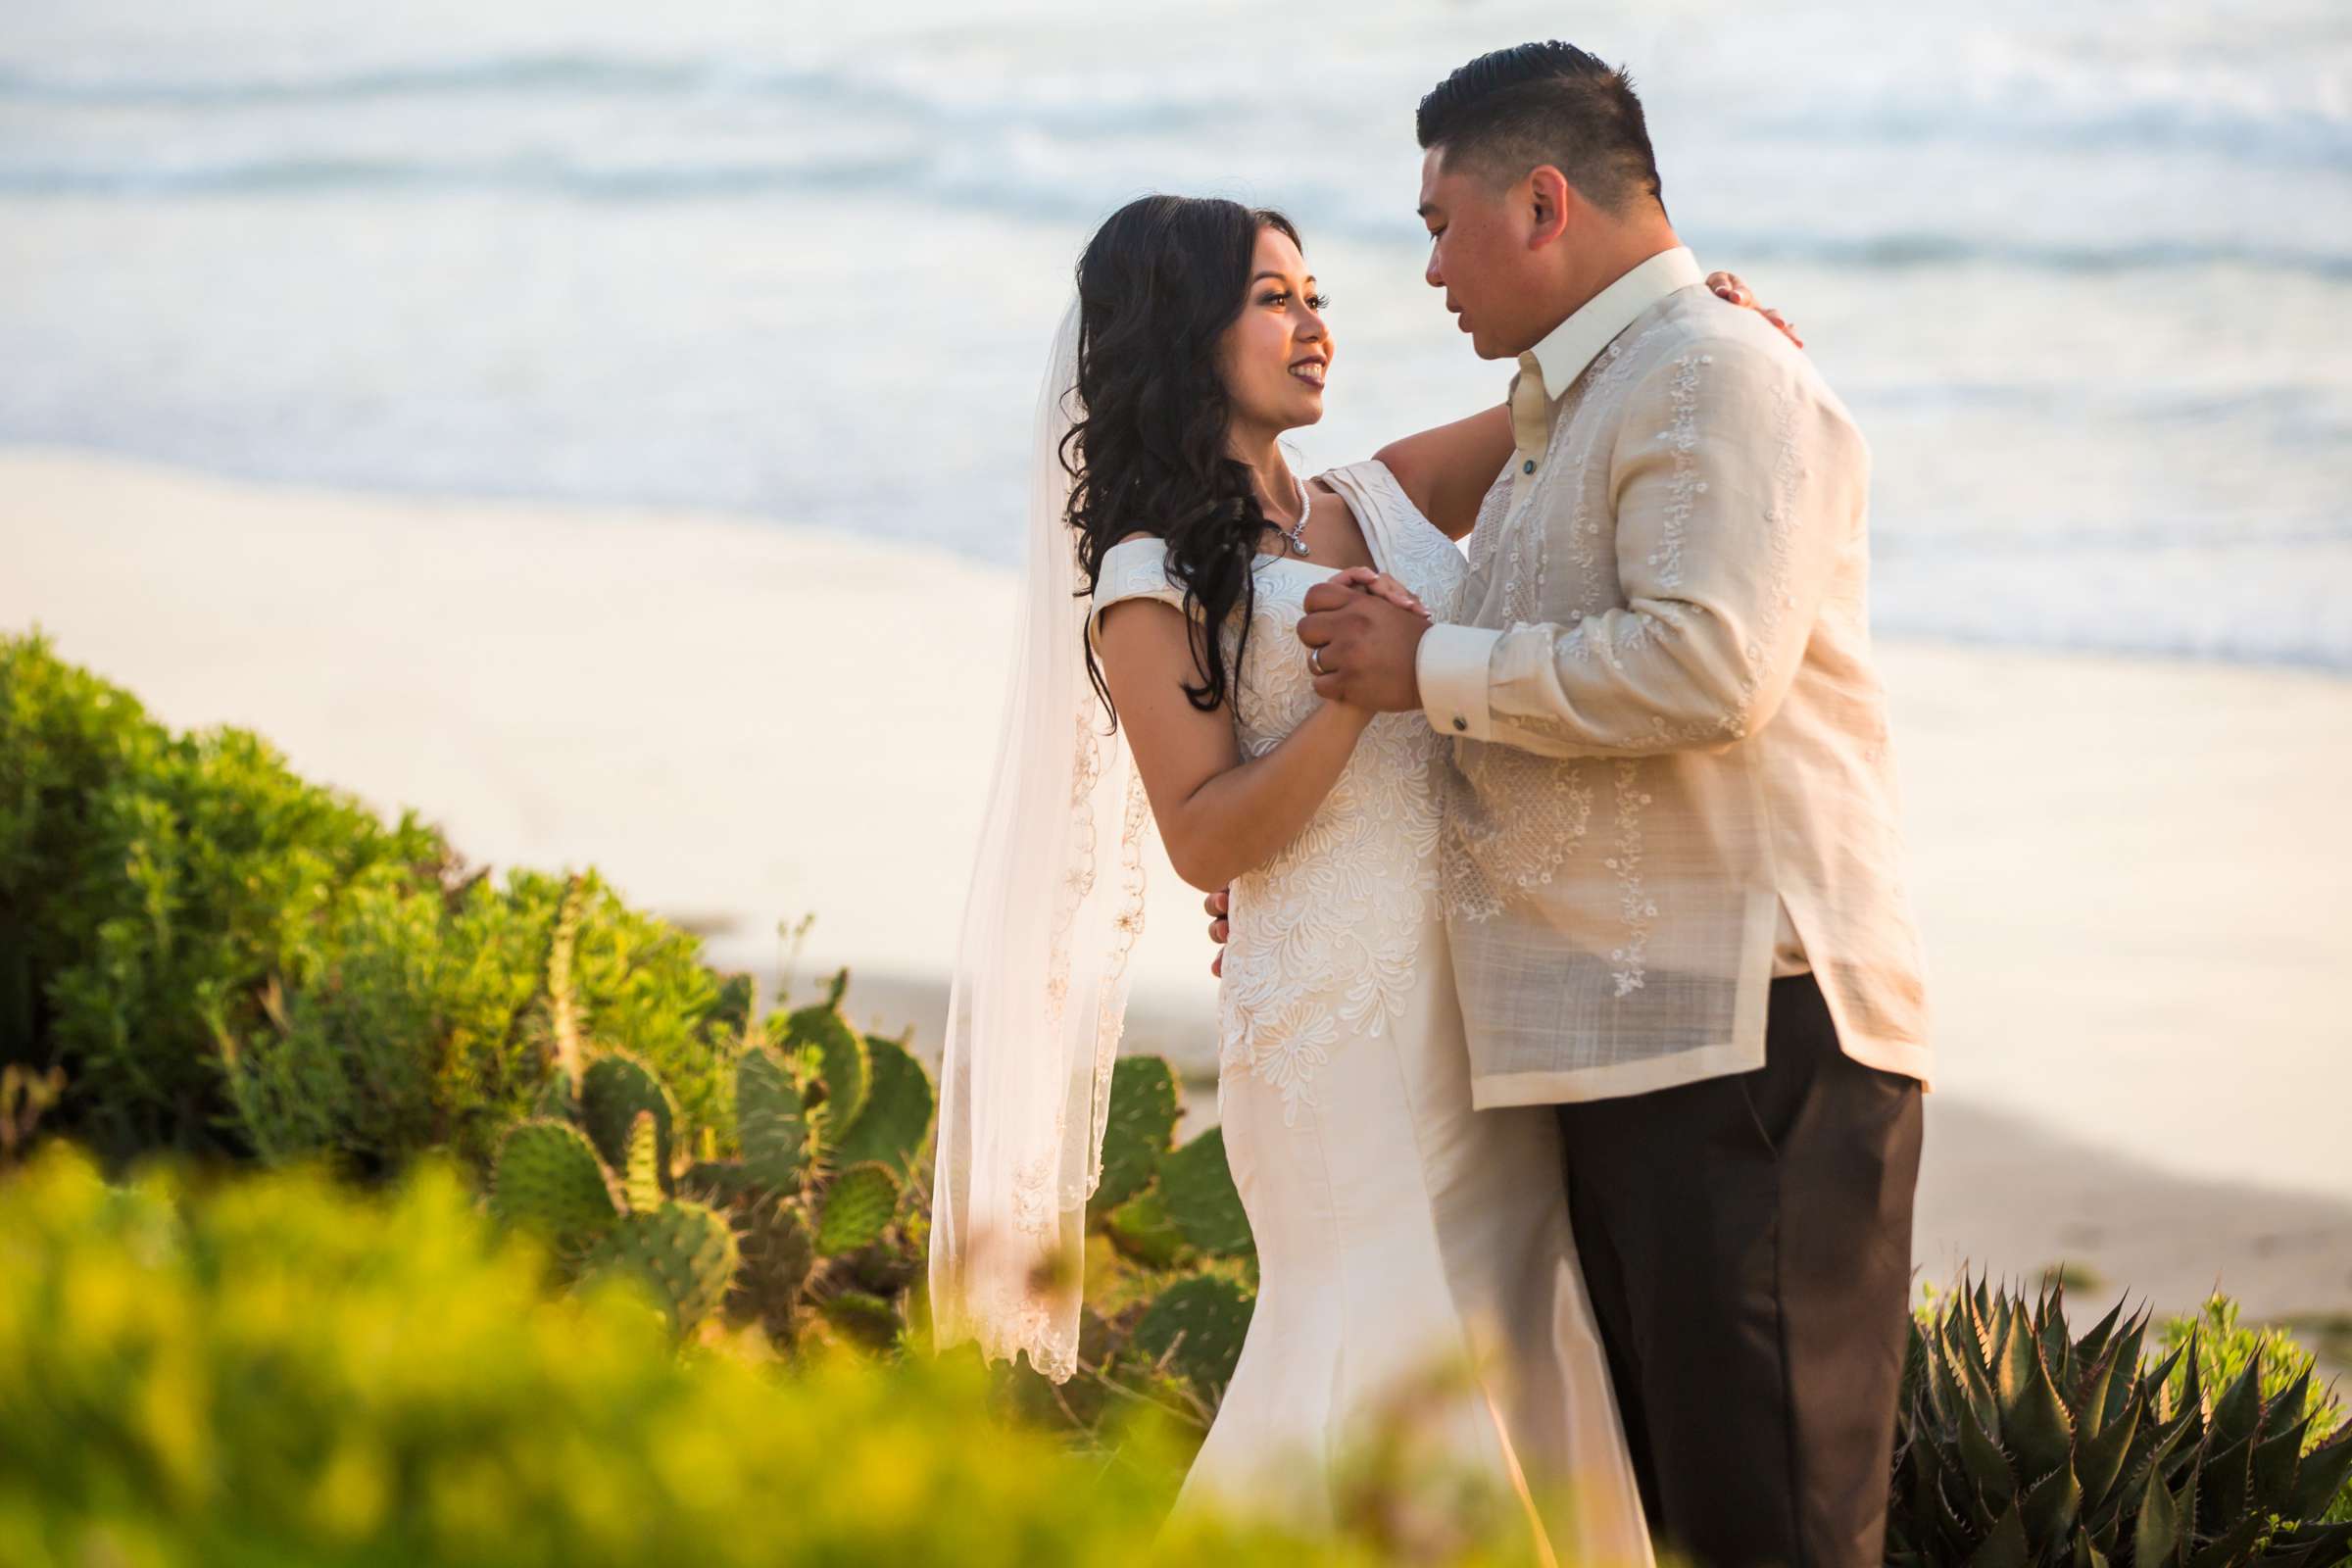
x,y
1452,667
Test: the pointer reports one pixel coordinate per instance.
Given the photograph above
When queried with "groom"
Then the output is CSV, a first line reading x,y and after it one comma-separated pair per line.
x,y
1672,866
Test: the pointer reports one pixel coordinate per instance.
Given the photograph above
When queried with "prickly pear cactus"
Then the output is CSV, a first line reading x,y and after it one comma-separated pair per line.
x,y
731,1013
720,1182
896,1117
643,1180
548,1182
1139,1127
843,1064
778,1252
1196,1186
864,1319
858,1206
770,1122
558,1099
615,1086
1202,1320
685,1251
1141,1229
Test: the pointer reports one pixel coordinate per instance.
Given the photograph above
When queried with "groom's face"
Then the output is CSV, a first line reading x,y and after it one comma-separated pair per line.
x,y
1483,253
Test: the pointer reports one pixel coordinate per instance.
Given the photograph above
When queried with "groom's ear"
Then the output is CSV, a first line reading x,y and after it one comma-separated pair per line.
x,y
1547,201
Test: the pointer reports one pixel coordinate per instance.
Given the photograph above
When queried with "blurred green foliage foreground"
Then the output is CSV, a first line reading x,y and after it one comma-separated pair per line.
x,y
356,1208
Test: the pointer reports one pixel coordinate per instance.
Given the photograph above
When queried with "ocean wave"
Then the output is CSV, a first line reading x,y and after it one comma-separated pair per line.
x,y
2010,98
1002,180
1914,250
900,91
2216,115
517,73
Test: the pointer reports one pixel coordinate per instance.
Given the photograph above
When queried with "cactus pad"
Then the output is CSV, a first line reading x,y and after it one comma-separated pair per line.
x,y
557,1102
778,1254
613,1091
1139,1127
842,1063
684,1250
864,1319
1197,1187
1142,1229
1203,1319
770,1122
643,1180
548,1182
896,1117
858,1206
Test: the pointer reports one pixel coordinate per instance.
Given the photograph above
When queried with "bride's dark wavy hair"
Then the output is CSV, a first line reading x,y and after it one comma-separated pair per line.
x,y
1158,285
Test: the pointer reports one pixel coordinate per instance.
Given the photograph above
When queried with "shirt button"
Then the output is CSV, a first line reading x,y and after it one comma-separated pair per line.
x,y
1460,722
1528,466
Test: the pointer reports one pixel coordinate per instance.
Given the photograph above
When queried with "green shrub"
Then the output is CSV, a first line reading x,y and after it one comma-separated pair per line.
x,y
2225,1348
273,1369
222,956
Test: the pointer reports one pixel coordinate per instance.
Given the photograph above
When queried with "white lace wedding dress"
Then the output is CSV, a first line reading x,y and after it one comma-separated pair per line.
x,y
1395,1224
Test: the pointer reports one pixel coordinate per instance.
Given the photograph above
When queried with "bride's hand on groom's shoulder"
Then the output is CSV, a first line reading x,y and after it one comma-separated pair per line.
x,y
1728,286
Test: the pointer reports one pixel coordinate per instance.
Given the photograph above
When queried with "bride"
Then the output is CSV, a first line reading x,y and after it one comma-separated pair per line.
x,y
1171,548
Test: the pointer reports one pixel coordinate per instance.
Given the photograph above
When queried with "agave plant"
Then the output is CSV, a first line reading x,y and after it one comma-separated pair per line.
x,y
2016,1445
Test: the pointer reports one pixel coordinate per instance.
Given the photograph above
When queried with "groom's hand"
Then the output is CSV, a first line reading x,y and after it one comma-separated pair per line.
x,y
1361,647
1219,905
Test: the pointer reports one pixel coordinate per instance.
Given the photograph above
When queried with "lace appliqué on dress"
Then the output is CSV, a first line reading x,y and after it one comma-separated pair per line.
x,y
1322,938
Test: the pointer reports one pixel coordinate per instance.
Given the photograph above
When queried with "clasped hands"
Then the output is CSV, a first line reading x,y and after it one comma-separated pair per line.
x,y
1363,630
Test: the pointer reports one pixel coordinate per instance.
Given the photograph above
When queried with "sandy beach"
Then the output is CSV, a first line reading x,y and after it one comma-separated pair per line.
x,y
2134,878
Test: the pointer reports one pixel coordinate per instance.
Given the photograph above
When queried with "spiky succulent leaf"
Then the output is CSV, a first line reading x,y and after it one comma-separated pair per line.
x,y
2238,1410
2048,1511
615,1086
2034,1425
2323,1475
2100,1463
1202,1320
1139,1129
857,1205
896,1117
1989,1470
770,1122
549,1181
684,1250
1196,1185
2005,1547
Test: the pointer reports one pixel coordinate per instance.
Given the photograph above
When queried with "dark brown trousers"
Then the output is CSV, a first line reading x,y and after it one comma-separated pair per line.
x,y
1746,1241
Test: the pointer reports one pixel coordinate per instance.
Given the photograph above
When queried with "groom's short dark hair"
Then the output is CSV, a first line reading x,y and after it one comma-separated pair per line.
x,y
1509,112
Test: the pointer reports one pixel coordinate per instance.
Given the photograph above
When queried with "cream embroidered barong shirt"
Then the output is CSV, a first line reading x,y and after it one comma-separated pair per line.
x,y
1672,779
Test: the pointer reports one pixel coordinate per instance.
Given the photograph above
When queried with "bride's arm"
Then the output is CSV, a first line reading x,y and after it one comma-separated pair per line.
x,y
1218,814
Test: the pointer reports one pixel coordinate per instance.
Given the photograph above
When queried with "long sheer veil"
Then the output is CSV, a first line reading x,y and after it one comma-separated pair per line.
x,y
1040,992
